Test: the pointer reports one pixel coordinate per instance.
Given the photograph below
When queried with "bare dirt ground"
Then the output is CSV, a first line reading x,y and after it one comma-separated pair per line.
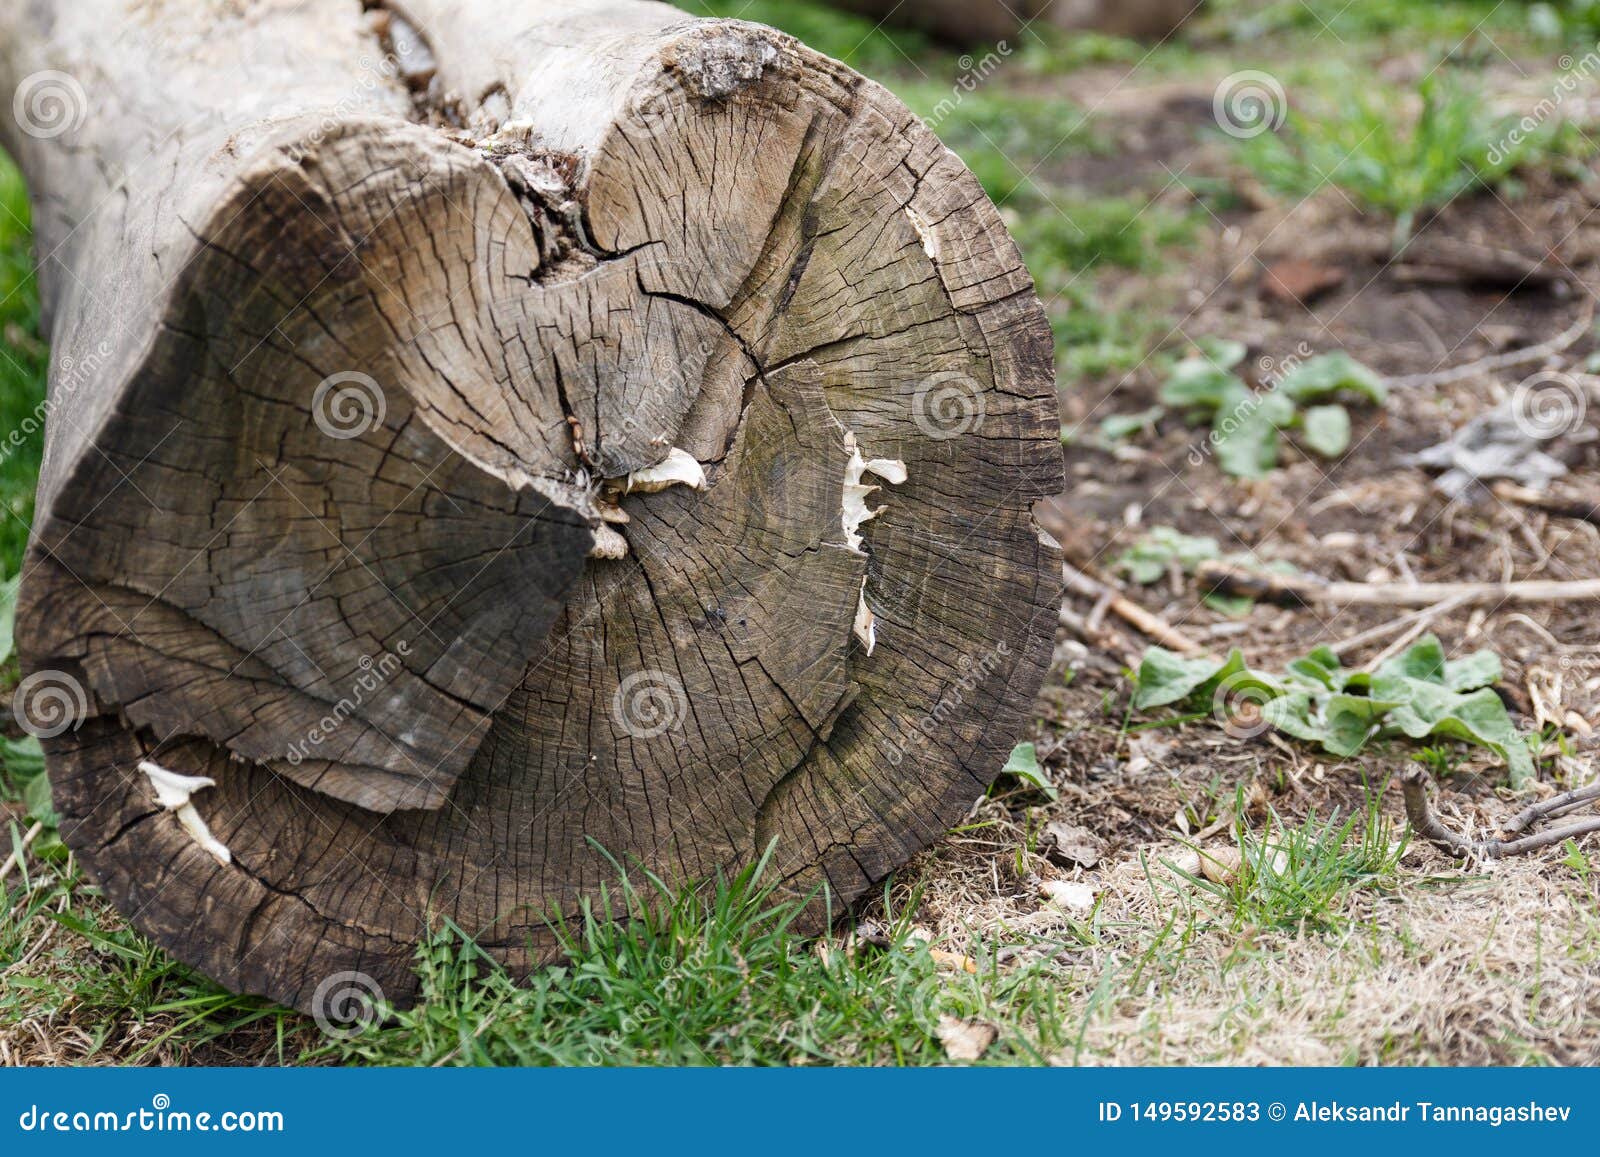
x,y
1440,962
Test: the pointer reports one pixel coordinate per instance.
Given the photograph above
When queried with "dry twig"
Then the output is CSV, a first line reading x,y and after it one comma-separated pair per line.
x,y
1302,591
1127,610
1420,813
1584,509
1489,365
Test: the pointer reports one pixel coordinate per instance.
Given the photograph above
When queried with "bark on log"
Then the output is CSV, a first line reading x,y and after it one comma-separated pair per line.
x,y
973,22
369,328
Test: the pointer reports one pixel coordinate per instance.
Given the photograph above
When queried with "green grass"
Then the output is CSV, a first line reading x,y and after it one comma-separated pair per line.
x,y
1302,877
1403,153
1094,338
1003,137
717,977
1369,20
1073,233
24,359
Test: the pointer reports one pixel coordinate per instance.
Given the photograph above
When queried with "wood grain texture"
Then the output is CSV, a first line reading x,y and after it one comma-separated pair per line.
x,y
383,310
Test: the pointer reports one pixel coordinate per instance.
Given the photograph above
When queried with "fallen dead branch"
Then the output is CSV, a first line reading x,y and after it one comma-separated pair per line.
x,y
1580,507
1107,597
1556,805
1504,361
1298,590
1411,619
1424,821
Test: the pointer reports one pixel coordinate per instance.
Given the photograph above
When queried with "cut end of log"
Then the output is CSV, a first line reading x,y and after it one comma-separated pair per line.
x,y
630,448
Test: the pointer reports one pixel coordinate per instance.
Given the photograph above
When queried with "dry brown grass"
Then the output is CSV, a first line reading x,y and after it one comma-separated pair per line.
x,y
1438,965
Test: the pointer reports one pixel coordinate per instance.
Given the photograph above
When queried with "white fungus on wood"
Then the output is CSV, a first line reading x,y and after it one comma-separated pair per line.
x,y
678,467
608,543
856,511
173,792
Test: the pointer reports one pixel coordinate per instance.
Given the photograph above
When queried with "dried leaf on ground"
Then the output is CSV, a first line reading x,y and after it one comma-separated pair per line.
x,y
1073,844
966,1040
1069,895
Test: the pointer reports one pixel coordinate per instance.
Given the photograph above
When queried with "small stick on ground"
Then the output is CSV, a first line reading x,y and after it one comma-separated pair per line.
x,y
1582,508
1384,630
1489,365
1296,591
1414,786
1423,620
1556,805
1103,637
1128,611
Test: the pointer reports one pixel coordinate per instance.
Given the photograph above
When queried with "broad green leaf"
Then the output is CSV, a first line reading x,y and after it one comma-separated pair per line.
x,y
1418,694
1325,375
1275,407
1168,677
1246,444
1293,713
1147,560
1119,426
1479,669
1024,764
1200,384
36,798
1478,717
1320,669
1326,430
1234,606
1424,660
1351,721
22,757
1225,352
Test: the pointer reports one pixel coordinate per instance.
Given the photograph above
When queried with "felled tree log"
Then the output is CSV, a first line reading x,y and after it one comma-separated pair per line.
x,y
972,22
465,431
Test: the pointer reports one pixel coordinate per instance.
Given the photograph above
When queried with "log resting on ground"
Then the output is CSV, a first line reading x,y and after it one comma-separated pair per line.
x,y
487,438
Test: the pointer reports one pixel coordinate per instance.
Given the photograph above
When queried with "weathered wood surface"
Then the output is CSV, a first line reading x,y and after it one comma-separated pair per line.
x,y
980,21
362,321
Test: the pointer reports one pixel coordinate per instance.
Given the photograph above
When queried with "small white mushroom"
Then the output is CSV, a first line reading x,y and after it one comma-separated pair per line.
x,y
677,468
173,792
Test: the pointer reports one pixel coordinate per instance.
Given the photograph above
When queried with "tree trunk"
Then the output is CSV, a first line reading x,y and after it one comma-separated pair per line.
x,y
464,426
972,22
